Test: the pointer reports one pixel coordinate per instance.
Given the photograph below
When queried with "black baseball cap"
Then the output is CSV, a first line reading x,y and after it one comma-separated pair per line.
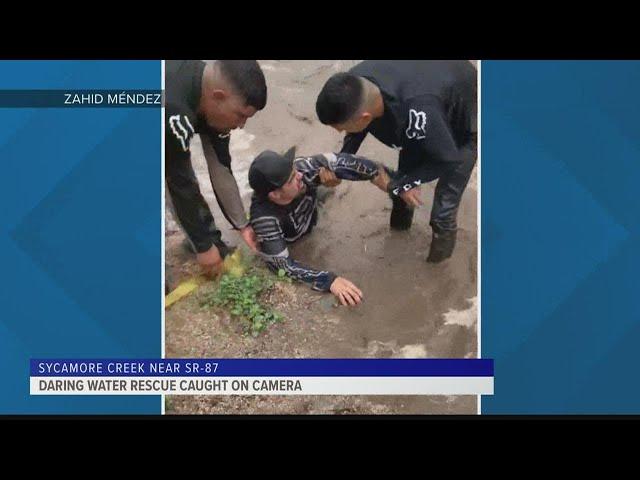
x,y
270,170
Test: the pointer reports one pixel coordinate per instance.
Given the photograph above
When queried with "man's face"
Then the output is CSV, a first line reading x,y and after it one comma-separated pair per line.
x,y
355,124
290,190
225,111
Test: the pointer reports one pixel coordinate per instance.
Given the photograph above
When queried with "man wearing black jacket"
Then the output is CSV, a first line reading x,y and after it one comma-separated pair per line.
x,y
209,99
427,110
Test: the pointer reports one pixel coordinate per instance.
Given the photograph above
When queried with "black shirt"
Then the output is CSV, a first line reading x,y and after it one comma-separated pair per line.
x,y
183,90
182,95
430,111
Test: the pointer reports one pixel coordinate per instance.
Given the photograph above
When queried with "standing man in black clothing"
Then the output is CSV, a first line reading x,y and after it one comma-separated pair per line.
x,y
210,99
427,110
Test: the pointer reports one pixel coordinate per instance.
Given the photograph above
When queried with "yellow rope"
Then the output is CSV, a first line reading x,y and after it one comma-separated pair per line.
x,y
233,265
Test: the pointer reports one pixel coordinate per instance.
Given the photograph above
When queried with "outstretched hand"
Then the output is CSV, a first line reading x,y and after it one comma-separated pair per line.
x,y
347,292
412,197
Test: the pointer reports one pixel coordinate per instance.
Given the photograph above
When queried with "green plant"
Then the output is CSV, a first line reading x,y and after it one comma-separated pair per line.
x,y
241,296
283,277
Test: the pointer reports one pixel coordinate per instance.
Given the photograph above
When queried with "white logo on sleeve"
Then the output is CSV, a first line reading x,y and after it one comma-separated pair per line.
x,y
417,125
182,129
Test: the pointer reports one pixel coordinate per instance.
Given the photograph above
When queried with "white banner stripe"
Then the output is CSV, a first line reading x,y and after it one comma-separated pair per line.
x,y
261,385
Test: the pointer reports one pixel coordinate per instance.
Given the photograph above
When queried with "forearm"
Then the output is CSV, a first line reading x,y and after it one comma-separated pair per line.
x,y
318,279
345,166
355,168
227,194
427,171
273,249
224,186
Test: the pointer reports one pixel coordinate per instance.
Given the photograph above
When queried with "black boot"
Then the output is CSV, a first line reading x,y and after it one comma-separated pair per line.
x,y
401,215
442,245
223,248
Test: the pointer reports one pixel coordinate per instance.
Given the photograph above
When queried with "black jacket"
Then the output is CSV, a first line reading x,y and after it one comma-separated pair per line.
x,y
430,112
183,87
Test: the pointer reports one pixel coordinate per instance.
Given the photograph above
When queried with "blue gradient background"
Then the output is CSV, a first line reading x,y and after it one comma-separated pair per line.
x,y
560,243
80,230
80,233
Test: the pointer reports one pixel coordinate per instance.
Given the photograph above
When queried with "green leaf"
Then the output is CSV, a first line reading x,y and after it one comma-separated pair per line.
x,y
240,296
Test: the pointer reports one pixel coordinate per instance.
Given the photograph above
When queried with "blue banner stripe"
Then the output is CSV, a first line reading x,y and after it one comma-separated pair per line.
x,y
371,367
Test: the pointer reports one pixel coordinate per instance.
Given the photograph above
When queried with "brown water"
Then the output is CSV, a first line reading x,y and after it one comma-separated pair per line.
x,y
406,300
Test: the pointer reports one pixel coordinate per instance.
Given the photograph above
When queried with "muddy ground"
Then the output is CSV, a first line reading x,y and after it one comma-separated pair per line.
x,y
411,309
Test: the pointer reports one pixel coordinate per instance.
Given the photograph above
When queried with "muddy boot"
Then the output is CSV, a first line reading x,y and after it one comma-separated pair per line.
x,y
223,248
442,245
401,215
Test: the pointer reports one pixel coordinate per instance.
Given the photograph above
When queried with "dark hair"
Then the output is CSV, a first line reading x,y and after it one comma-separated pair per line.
x,y
248,80
339,99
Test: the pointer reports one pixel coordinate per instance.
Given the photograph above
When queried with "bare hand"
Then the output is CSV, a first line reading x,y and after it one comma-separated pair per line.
x,y
210,262
347,292
381,180
249,237
412,197
328,178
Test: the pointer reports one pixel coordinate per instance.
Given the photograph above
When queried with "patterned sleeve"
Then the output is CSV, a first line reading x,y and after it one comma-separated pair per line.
x,y
345,165
274,251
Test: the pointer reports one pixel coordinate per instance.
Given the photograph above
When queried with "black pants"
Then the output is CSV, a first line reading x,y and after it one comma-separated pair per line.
x,y
189,206
452,182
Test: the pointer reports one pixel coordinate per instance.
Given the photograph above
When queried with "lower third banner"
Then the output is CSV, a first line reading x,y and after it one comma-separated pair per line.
x,y
263,377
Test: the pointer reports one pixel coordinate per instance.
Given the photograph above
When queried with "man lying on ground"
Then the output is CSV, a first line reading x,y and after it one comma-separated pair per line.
x,y
284,207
